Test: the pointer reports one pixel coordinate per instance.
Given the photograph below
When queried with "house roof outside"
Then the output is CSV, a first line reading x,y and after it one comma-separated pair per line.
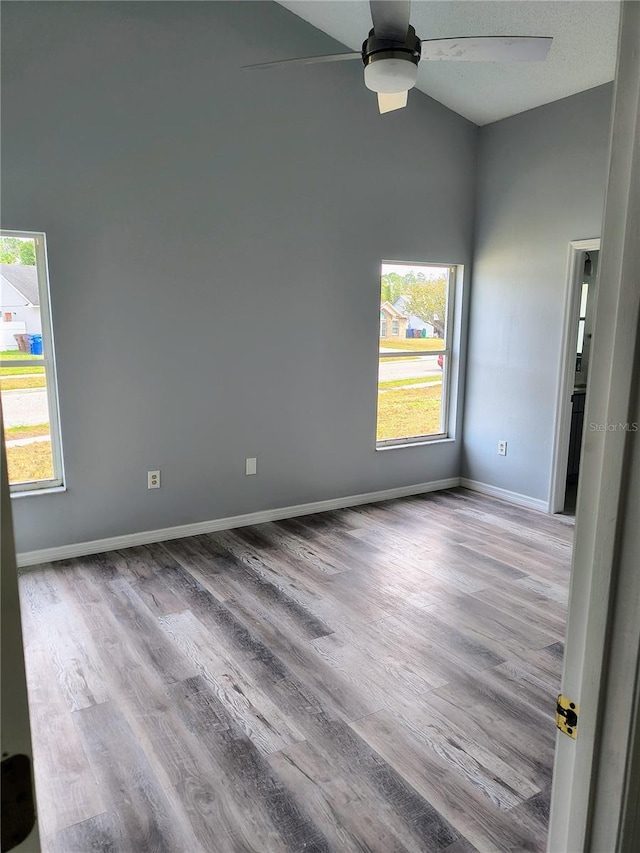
x,y
415,322
391,309
24,279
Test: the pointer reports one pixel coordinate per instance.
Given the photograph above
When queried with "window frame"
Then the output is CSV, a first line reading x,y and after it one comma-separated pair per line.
x,y
452,271
47,361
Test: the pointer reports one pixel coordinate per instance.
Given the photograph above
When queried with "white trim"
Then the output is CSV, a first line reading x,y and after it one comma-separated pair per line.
x,y
393,353
42,271
421,442
416,264
50,490
449,320
147,537
566,374
454,273
504,495
454,390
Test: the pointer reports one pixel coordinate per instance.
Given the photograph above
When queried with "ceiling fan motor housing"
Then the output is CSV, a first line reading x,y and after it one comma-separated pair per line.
x,y
391,66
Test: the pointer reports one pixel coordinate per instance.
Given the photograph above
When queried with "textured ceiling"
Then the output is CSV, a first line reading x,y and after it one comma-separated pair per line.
x,y
583,53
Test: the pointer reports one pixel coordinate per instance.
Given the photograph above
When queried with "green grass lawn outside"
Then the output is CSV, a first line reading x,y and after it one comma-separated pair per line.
x,y
30,462
408,412
402,383
27,431
17,355
21,371
413,344
9,383
22,360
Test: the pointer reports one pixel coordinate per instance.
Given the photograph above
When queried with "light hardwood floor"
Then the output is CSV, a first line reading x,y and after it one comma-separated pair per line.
x,y
374,679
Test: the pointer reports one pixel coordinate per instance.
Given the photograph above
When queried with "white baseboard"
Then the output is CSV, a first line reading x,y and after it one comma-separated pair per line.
x,y
504,495
147,537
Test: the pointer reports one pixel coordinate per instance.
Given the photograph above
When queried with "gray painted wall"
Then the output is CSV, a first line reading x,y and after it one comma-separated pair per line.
x,y
541,184
266,201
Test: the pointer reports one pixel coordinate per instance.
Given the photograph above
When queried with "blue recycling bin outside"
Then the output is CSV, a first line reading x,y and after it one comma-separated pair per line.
x,y
35,344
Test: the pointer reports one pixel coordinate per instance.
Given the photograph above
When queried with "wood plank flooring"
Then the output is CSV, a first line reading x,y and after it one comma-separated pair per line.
x,y
378,679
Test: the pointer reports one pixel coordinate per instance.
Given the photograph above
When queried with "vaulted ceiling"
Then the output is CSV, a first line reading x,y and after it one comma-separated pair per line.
x,y
583,53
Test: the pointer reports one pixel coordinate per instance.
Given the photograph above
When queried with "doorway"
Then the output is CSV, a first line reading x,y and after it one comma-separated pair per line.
x,y
579,318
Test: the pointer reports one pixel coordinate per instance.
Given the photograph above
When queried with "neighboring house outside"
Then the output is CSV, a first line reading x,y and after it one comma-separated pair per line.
x,y
19,303
415,322
393,323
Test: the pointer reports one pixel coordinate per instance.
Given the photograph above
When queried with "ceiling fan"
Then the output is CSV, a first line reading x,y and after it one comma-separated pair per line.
x,y
392,51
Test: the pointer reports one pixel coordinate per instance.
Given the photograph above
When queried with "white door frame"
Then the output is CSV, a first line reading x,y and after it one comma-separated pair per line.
x,y
566,376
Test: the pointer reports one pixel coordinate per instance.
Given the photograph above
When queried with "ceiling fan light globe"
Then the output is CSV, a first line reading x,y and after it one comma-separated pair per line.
x,y
389,75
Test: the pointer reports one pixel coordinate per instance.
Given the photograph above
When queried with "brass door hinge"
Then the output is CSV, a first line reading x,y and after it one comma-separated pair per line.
x,y
567,716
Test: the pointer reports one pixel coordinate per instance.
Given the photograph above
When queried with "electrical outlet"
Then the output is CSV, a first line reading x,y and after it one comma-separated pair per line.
x,y
502,448
251,466
153,479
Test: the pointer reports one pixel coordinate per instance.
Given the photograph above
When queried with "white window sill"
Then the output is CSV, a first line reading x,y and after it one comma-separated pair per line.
x,y
53,490
423,443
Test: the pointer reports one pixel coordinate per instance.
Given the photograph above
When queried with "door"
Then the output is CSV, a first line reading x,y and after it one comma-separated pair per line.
x,y
19,826
594,787
573,371
583,332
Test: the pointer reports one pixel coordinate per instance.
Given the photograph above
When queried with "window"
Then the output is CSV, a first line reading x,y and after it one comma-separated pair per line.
x,y
27,366
414,364
582,321
383,327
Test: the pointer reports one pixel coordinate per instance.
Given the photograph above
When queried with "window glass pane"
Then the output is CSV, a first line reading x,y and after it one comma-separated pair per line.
x,y
580,336
583,300
413,307
23,379
410,397
26,425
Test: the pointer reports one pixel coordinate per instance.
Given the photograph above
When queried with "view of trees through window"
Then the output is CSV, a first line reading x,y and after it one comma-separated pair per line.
x,y
26,400
413,352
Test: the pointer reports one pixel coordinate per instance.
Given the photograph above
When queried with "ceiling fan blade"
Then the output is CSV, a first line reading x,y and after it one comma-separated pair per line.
x,y
390,18
488,48
388,102
306,60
